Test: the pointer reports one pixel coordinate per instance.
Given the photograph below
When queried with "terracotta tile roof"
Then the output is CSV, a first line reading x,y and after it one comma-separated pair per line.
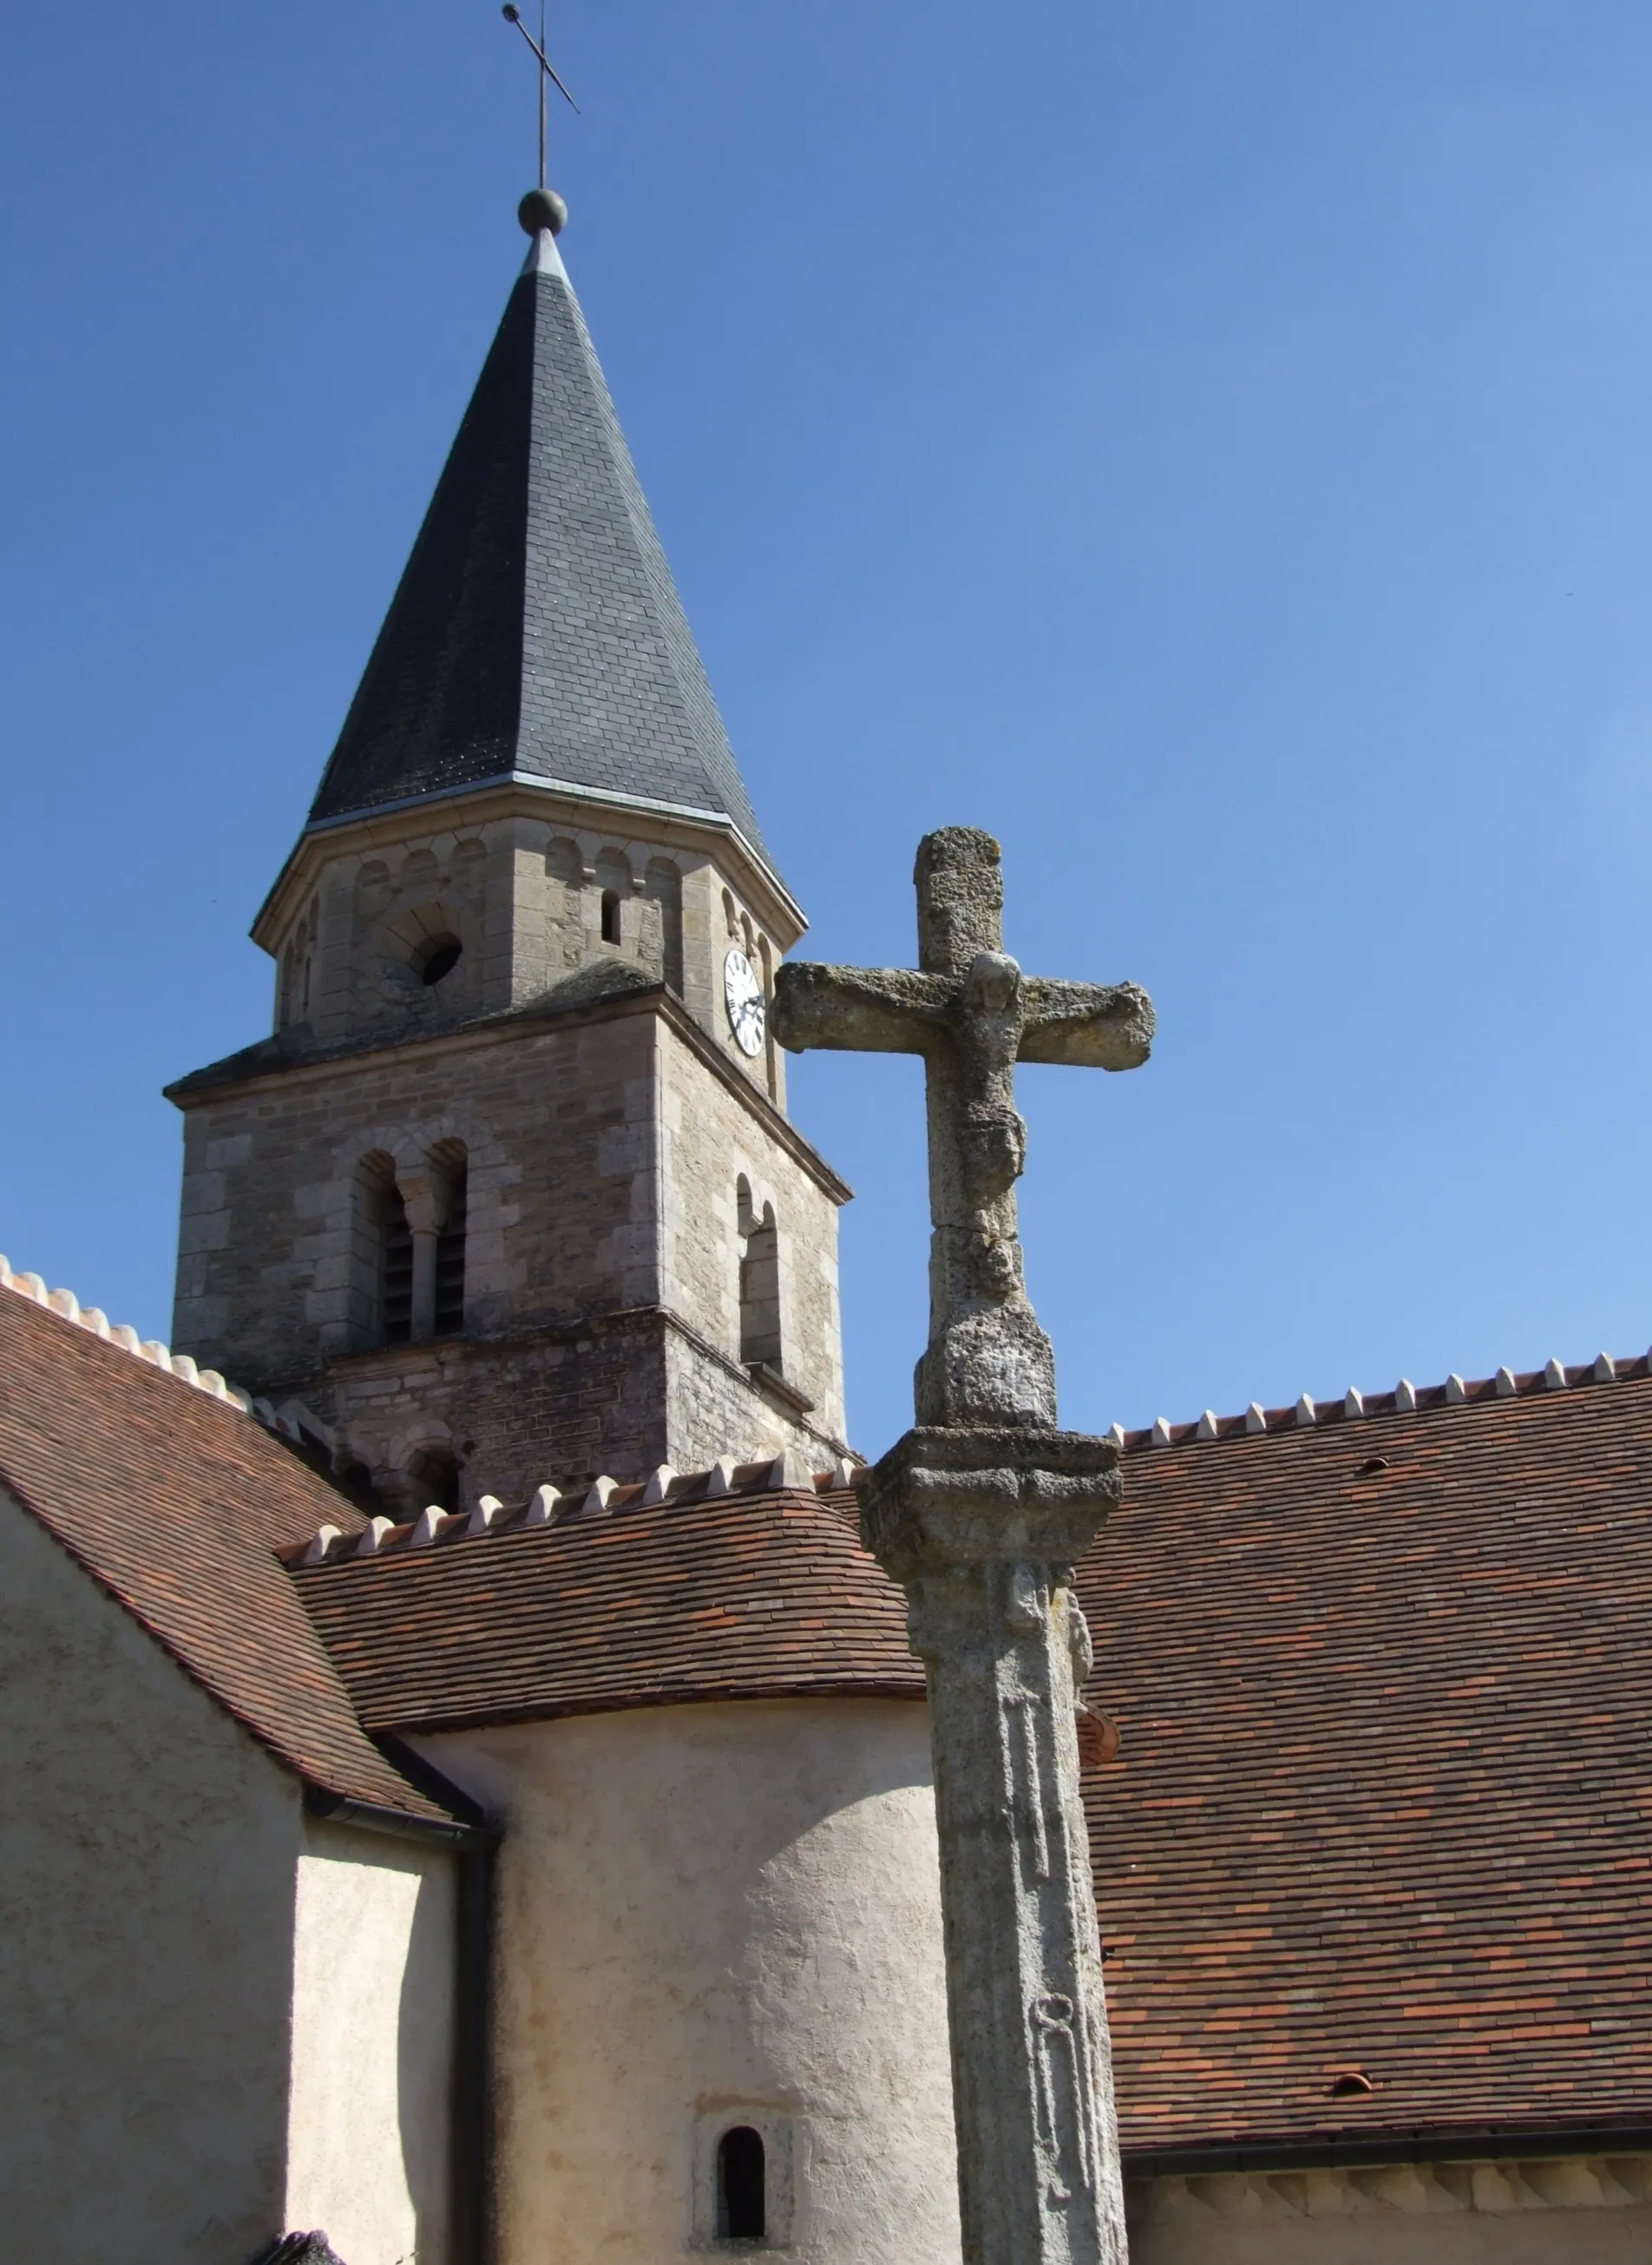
x,y
757,1593
175,1502
1383,1803
1384,1798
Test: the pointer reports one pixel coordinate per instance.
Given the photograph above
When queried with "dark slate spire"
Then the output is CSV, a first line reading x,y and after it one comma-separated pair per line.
x,y
536,628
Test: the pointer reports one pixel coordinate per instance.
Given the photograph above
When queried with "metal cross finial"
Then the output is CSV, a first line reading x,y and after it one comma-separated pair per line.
x,y
513,15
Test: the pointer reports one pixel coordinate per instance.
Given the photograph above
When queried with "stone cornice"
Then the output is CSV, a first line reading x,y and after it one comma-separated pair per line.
x,y
391,1360
1350,2150
218,1080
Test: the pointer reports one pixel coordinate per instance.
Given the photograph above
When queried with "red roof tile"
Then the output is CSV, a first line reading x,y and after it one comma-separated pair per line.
x,y
745,1596
1384,1798
176,1503
1383,1801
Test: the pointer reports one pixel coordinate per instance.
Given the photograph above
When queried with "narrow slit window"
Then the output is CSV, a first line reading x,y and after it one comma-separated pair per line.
x,y
741,2201
610,917
396,1275
759,1283
450,1260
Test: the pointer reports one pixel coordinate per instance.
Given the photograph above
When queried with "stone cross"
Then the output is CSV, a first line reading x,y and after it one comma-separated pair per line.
x,y
980,1513
969,1010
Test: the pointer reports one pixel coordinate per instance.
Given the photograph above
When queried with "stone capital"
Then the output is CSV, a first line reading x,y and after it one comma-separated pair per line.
x,y
944,1500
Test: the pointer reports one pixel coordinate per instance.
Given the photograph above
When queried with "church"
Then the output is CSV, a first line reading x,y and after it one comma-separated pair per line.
x,y
472,1794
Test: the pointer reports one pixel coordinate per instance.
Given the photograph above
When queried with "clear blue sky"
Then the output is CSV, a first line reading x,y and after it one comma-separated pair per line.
x,y
1209,445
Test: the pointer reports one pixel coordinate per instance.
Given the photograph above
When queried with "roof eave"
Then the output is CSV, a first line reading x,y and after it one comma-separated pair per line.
x,y
1412,2143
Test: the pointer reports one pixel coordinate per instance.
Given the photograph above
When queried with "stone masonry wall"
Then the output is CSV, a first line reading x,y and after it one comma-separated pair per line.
x,y
565,1405
556,1124
601,1153
525,898
709,1140
615,1396
712,1410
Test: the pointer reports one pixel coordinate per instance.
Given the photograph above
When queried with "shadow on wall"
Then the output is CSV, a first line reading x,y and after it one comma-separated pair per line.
x,y
424,2057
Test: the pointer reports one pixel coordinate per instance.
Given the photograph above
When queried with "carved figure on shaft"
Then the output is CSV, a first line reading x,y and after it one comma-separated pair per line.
x,y
971,1013
979,1512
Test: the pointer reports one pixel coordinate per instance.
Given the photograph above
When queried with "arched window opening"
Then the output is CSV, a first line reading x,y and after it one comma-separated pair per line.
x,y
729,914
610,917
449,1317
395,1269
741,2212
440,956
433,1477
760,1281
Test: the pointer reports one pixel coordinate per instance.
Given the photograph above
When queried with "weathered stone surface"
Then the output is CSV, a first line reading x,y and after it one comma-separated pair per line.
x,y
971,1013
521,880
982,1528
605,1147
979,1513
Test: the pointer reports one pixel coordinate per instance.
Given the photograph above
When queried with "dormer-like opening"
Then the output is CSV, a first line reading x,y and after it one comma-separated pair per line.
x,y
610,917
432,1479
438,959
742,2201
420,949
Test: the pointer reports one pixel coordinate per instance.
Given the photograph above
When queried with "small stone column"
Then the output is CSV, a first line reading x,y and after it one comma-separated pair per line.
x,y
422,1309
426,1202
981,1529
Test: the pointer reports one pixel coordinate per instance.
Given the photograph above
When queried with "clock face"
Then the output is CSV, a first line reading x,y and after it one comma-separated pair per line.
x,y
743,995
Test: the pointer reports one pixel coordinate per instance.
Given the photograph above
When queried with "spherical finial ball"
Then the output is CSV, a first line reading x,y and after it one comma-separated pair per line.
x,y
543,209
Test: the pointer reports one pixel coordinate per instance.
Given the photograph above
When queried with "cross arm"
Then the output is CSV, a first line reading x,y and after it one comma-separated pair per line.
x,y
1089,1025
880,1011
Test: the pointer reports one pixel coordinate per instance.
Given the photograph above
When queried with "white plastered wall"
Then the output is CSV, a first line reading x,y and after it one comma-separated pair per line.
x,y
711,1915
146,1938
372,2036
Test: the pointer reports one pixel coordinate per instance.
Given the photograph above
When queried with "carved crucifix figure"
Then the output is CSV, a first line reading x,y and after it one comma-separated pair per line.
x,y
971,1013
979,1512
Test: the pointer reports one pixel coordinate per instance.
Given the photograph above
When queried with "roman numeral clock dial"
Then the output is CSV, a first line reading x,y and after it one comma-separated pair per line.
x,y
743,996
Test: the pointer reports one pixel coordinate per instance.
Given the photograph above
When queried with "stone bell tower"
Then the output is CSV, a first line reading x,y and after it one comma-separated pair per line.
x,y
510,1193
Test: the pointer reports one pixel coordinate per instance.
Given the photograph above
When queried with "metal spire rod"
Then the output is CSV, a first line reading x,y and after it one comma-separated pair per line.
x,y
513,15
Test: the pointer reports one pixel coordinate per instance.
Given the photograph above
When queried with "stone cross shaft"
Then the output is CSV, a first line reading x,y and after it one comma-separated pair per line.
x,y
971,1013
980,1513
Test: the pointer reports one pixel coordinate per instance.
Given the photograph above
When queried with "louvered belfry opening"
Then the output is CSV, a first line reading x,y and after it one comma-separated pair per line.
x,y
396,1275
450,1257
742,2214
